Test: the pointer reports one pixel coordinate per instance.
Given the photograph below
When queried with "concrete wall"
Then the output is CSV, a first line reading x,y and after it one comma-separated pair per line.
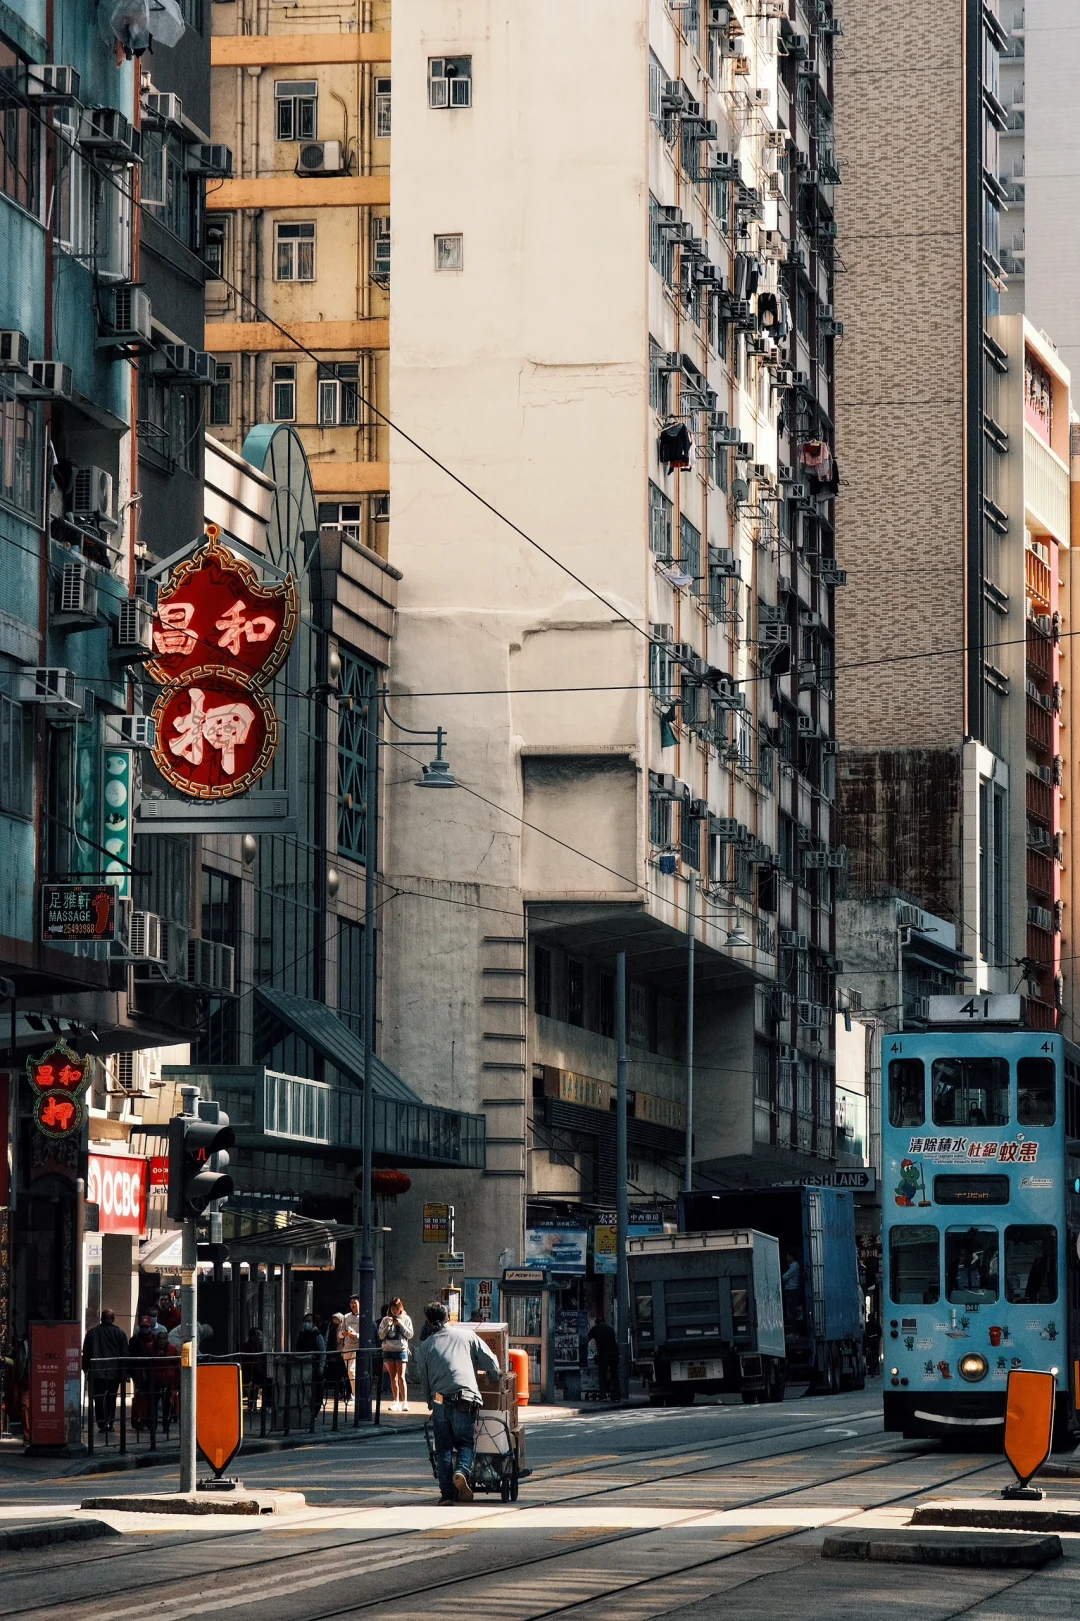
x,y
1052,158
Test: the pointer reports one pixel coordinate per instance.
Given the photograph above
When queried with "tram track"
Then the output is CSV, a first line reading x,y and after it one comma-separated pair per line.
x,y
379,1549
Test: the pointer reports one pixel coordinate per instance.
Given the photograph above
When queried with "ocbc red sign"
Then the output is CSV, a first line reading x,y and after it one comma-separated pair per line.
x,y
118,1187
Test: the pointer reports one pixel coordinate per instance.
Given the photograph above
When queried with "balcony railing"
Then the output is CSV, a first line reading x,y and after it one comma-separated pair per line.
x,y
1040,798
1039,724
1040,874
1046,491
1040,651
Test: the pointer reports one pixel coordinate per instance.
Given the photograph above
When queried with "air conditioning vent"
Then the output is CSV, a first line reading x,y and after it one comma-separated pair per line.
x,y
181,360
14,351
791,940
320,157
51,85
908,916
146,937
723,561
211,966
214,162
127,320
51,687
134,628
164,108
812,1016
92,496
49,380
77,597
105,132
128,732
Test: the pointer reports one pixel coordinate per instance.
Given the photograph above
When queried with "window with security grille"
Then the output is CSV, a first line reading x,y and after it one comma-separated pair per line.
x,y
297,103
214,251
221,395
690,837
283,392
661,514
16,758
690,553
659,380
660,821
450,81
356,682
380,247
382,108
294,250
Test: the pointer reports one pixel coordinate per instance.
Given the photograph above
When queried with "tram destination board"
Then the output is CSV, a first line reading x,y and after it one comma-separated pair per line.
x,y
973,1010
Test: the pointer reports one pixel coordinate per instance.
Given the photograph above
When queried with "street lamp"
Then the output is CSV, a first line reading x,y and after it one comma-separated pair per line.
x,y
436,774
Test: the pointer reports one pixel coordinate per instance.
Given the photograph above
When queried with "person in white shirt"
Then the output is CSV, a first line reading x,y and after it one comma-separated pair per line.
x,y
349,1339
395,1332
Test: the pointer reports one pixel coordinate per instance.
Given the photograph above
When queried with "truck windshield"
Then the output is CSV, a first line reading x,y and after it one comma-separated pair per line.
x,y
971,1091
1031,1265
971,1265
914,1266
907,1092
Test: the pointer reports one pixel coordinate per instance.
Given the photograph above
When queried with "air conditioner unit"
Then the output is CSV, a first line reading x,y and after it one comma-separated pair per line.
x,y
729,831
772,244
761,473
92,496
719,16
165,108
698,810
14,351
808,67
809,620
106,133
723,561
49,380
807,726
744,450
725,166
135,626
210,966
791,940
127,317
128,732
77,597
830,574
774,187
726,436
51,687
776,140
181,360
760,97
320,157
908,916
827,230
812,1015
838,857
741,64
145,937
708,275
213,162
51,85
829,327
781,1002
783,377
831,28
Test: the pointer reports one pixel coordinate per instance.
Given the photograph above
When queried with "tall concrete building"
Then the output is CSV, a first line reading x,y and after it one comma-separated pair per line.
x,y
954,433
612,320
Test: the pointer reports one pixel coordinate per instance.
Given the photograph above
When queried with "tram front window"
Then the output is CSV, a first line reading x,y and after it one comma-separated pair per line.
x,y
971,1091
971,1265
907,1092
914,1267
1031,1265
1036,1092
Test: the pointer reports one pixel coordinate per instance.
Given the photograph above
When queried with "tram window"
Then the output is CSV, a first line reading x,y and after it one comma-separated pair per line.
x,y
971,1265
907,1092
971,1091
1031,1265
914,1267
1036,1089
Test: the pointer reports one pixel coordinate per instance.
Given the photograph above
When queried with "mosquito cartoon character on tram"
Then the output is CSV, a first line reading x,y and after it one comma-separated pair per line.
x,y
981,1220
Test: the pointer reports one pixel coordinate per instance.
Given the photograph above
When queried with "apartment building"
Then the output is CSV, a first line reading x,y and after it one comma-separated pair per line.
x,y
612,320
300,236
956,525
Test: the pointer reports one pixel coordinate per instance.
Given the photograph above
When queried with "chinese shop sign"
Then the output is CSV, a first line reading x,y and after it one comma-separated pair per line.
x,y
55,1385
57,1079
78,912
116,808
118,1187
220,635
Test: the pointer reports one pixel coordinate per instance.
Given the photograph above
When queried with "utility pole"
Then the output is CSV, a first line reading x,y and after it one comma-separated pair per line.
x,y
366,1279
622,1280
688,1181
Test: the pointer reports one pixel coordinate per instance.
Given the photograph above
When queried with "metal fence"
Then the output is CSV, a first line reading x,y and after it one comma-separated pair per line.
x,y
133,1403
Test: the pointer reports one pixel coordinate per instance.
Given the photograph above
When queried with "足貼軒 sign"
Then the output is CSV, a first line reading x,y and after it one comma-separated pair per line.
x,y
118,1186
439,1224
220,634
78,912
57,1079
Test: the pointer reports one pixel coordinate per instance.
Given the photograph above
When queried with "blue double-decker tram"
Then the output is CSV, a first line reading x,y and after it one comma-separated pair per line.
x,y
981,1217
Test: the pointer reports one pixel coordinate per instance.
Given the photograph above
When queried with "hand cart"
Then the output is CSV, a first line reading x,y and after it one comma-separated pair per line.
x,y
495,1465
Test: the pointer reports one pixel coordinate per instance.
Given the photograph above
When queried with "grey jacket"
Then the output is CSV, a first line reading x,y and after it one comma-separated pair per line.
x,y
446,1363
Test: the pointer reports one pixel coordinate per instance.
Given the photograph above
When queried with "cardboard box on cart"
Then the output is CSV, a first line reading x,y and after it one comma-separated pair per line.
x,y
500,1395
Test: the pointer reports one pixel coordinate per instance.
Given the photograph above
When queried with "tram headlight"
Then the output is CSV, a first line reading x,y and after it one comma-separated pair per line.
x,y
973,1366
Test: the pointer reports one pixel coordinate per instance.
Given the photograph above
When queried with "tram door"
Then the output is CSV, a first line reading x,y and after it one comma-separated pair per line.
x,y
1072,1269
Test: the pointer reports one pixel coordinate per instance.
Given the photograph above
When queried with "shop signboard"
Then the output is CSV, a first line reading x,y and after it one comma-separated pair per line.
x,y
118,1186
159,1173
57,1079
605,1249
482,1300
439,1224
55,1385
117,810
78,912
451,1261
558,1248
220,635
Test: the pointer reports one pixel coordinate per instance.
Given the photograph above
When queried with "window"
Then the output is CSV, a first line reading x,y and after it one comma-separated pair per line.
x,y
380,247
971,1265
339,396
690,837
20,146
16,758
660,821
448,252
357,682
450,81
351,974
168,188
382,108
575,991
659,380
221,395
75,200
297,109
214,252
971,1091
1036,1092
661,513
661,250
283,392
218,1041
296,1107
643,1310
294,251
657,77
960,1189
993,871
690,553
662,671
907,1092
1031,1265
170,421
21,446
607,1005
914,1266
542,981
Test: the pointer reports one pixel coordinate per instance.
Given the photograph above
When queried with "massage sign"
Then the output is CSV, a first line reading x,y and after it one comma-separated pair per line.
x,y
220,635
58,1079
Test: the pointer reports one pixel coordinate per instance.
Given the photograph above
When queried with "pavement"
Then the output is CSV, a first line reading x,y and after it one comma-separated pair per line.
x,y
718,1511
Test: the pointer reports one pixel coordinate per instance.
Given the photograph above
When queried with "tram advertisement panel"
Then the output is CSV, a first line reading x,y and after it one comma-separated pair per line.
x,y
974,1213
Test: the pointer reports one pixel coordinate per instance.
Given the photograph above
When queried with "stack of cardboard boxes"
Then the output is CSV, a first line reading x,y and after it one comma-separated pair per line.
x,y
499,1394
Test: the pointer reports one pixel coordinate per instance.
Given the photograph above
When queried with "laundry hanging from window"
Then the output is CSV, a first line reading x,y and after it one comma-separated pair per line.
x,y
748,273
676,447
773,315
819,465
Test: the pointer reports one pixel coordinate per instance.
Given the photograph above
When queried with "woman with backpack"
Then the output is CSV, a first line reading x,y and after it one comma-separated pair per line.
x,y
395,1332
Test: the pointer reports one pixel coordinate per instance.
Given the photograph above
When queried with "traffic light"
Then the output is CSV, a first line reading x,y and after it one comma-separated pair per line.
x,y
197,1160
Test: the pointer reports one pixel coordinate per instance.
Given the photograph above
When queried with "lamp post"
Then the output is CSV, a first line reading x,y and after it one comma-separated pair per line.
x,y
437,774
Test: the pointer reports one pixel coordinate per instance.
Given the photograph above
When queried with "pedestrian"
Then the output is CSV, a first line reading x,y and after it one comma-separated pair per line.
x,y
309,1339
791,1288
395,1332
256,1373
167,1376
446,1364
602,1335
336,1379
349,1338
103,1351
168,1313
143,1348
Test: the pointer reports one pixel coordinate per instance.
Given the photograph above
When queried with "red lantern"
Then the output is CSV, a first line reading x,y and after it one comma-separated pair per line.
x,y
390,1183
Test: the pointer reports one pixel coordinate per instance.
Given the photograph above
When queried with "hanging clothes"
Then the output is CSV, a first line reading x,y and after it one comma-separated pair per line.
x,y
783,320
676,447
817,462
741,283
768,313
